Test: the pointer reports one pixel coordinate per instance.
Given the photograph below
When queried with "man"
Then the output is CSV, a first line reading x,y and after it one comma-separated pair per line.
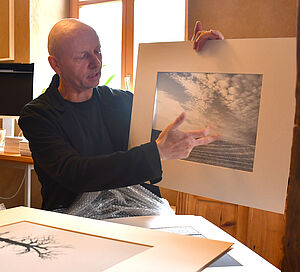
x,y
78,132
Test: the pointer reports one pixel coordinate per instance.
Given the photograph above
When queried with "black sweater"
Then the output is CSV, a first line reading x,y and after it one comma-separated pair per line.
x,y
68,158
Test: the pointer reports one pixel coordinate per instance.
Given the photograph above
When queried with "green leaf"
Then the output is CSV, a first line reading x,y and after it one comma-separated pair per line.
x,y
109,79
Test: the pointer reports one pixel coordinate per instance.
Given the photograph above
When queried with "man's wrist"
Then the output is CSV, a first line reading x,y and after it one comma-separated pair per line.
x,y
159,150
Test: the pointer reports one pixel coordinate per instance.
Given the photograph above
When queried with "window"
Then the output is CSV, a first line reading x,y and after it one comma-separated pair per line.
x,y
122,25
106,19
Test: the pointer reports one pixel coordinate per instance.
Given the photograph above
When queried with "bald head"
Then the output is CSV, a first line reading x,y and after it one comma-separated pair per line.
x,y
63,30
75,55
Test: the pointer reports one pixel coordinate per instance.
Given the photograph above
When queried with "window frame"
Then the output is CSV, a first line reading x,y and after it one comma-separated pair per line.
x,y
127,33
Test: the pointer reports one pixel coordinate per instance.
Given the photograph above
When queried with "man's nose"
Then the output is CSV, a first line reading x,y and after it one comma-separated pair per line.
x,y
95,61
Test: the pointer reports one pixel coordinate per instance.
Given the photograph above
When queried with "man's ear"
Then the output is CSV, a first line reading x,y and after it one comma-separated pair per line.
x,y
54,64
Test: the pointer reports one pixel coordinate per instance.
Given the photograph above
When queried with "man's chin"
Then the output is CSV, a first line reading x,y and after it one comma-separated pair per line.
x,y
94,83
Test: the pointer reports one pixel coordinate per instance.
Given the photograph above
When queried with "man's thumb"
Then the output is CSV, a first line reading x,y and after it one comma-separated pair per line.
x,y
178,121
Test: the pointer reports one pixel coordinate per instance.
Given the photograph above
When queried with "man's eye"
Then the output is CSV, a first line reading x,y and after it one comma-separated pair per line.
x,y
81,57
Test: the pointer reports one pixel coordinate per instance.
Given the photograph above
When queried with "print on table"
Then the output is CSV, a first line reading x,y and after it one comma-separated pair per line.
x,y
28,245
44,247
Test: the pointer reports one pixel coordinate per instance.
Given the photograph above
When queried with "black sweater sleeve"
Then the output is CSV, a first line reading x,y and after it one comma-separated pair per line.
x,y
56,161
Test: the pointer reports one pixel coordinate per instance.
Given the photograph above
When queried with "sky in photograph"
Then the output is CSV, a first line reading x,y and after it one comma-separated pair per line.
x,y
228,103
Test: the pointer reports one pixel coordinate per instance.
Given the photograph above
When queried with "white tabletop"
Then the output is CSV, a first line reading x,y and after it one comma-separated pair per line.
x,y
85,239
239,259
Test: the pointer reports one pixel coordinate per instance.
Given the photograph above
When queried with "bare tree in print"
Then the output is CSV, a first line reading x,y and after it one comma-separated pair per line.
x,y
45,247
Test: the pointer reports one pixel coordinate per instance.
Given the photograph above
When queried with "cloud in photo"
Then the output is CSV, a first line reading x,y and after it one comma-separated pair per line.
x,y
228,103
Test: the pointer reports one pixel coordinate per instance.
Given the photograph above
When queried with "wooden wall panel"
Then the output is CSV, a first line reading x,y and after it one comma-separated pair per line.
x,y
22,31
230,217
291,245
7,30
10,181
259,230
245,18
265,234
169,194
4,29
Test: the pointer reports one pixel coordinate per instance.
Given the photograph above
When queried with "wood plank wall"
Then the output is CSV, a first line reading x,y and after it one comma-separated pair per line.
x,y
6,29
291,244
245,18
260,230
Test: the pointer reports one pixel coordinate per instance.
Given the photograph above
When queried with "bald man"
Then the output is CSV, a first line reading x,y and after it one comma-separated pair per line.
x,y
78,131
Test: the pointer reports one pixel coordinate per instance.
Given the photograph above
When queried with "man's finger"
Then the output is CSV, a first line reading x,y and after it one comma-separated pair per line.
x,y
201,39
217,35
199,133
203,36
206,140
211,35
178,121
197,30
199,44
174,125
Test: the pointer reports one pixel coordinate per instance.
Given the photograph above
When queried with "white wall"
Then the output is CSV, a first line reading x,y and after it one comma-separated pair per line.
x,y
43,15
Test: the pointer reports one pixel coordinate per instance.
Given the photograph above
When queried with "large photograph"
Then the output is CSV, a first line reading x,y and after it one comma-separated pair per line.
x,y
227,103
244,90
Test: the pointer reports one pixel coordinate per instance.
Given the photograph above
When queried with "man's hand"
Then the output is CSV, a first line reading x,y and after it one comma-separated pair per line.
x,y
173,143
201,36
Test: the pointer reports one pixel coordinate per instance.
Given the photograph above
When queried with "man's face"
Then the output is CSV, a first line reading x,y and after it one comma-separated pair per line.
x,y
80,60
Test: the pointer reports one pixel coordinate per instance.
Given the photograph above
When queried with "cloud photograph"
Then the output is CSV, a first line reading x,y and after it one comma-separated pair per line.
x,y
227,103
